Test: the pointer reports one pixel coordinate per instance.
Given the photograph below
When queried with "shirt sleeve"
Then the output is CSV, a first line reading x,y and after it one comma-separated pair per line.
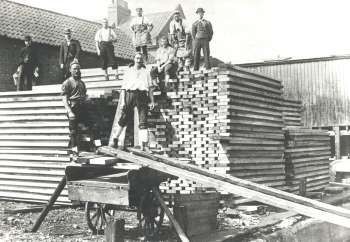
x,y
65,89
97,36
149,80
147,21
113,34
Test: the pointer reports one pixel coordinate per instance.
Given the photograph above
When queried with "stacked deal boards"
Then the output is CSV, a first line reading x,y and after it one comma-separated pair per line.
x,y
227,120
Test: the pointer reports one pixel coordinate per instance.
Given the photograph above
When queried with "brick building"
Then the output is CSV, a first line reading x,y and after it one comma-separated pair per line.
x,y
46,28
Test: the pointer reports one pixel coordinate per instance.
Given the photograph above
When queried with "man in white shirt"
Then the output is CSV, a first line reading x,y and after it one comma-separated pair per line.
x,y
141,27
136,85
104,38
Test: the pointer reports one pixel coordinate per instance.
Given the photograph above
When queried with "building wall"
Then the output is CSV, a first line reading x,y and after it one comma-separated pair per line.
x,y
323,86
48,59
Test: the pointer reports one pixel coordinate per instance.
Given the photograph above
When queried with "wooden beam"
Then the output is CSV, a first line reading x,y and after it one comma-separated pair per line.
x,y
337,142
253,191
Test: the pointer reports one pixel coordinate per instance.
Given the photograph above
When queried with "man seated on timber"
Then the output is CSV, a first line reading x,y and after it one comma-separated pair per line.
x,y
138,91
75,101
166,65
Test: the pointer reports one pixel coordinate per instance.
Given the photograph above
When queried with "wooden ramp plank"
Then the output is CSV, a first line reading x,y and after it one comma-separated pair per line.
x,y
253,191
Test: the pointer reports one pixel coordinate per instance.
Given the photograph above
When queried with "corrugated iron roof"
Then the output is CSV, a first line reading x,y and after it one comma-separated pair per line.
x,y
46,27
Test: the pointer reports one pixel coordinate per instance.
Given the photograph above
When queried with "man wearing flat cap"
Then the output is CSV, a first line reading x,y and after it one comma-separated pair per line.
x,y
75,102
202,33
141,28
28,65
69,51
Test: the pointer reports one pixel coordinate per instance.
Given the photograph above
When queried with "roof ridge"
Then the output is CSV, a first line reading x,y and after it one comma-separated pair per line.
x,y
51,11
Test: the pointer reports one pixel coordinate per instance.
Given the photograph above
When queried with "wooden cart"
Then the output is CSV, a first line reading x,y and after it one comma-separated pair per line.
x,y
105,190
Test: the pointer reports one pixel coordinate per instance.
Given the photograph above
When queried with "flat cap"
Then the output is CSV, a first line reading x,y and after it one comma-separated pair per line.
x,y
67,31
200,10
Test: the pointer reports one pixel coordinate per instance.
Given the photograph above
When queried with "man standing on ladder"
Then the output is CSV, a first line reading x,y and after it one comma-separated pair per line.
x,y
141,28
137,90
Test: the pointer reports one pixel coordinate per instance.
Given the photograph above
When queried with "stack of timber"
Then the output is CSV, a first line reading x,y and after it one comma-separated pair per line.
x,y
227,120
307,157
182,186
292,112
34,137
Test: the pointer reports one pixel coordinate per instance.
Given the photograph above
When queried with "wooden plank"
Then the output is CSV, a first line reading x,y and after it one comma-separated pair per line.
x,y
53,151
16,118
337,142
38,130
240,187
58,144
115,125
34,124
36,137
24,105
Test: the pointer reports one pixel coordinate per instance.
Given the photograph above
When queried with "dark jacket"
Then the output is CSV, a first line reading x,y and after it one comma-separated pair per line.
x,y
69,52
202,29
28,57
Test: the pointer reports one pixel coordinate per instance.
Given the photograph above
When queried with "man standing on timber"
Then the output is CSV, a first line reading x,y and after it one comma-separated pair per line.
x,y
141,28
74,100
202,33
69,52
28,66
180,38
104,38
166,65
138,91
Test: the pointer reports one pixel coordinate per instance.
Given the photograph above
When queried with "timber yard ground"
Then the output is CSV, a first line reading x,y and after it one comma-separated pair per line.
x,y
69,224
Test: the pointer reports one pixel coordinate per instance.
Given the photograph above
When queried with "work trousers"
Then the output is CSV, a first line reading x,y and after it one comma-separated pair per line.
x,y
169,69
135,98
66,69
82,116
197,46
107,55
26,78
143,50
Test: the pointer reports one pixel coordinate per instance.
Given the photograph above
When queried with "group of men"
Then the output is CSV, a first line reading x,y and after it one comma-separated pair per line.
x,y
174,54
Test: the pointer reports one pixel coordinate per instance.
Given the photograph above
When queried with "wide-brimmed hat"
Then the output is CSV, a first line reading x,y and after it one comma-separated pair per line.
x,y
139,8
200,10
176,12
67,31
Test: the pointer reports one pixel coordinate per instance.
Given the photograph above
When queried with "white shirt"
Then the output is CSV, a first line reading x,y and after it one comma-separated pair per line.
x,y
105,35
139,20
137,79
176,25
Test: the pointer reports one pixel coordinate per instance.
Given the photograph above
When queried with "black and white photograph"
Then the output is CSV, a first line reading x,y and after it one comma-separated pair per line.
x,y
176,120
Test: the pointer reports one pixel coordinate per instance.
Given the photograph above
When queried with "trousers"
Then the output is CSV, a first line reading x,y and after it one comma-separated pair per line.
x,y
197,46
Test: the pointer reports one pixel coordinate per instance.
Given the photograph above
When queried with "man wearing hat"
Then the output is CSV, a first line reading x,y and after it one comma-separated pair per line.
x,y
28,65
104,38
141,28
74,100
202,33
180,38
69,51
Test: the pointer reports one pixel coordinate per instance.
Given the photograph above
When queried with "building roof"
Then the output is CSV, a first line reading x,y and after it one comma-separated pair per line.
x,y
47,27
159,20
294,61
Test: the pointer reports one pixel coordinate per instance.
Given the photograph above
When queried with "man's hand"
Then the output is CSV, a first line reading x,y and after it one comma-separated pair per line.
x,y
76,60
98,52
36,72
71,115
61,66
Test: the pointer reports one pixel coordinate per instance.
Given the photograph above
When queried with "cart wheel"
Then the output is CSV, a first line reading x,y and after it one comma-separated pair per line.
x,y
97,215
152,216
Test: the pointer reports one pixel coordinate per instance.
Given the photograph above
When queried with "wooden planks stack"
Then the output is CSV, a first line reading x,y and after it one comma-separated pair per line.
x,y
34,137
227,120
307,157
292,112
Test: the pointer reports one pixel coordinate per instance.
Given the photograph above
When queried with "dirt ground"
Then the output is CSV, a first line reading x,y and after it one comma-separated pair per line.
x,y
69,224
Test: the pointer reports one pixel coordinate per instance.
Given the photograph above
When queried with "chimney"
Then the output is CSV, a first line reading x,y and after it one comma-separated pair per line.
x,y
118,12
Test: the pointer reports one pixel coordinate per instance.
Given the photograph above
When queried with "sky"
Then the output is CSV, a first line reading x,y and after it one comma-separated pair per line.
x,y
246,30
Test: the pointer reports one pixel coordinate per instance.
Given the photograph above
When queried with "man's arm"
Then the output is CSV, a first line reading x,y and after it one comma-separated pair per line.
x,y
97,42
78,46
67,107
194,30
210,30
61,56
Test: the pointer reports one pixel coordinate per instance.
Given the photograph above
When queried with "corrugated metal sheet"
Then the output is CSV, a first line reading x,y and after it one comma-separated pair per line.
x,y
322,85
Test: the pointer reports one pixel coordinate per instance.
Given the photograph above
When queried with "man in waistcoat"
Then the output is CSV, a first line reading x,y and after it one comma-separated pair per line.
x,y
202,33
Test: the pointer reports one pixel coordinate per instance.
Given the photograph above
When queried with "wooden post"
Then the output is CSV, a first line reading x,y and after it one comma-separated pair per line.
x,y
176,225
337,142
52,200
115,126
